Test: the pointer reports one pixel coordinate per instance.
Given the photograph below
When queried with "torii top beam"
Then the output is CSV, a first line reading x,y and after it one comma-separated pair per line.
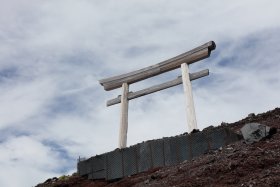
x,y
189,57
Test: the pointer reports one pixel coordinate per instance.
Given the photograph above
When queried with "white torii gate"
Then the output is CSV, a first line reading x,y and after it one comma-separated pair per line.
x,y
181,61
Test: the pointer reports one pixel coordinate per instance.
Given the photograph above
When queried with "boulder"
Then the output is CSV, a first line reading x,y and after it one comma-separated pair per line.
x,y
254,132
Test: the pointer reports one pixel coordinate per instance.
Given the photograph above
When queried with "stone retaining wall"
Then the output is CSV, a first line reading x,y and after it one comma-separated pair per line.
x,y
155,153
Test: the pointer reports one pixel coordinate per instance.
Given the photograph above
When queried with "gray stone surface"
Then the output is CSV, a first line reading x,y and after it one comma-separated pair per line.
x,y
114,165
144,157
254,132
130,160
158,158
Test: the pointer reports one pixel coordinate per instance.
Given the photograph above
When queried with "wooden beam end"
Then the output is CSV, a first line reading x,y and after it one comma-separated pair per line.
x,y
211,45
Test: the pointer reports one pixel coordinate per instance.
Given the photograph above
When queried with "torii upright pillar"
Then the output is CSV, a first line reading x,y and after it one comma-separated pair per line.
x,y
191,118
124,116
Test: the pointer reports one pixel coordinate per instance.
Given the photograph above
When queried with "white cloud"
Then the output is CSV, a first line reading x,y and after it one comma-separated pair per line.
x,y
28,161
52,54
20,102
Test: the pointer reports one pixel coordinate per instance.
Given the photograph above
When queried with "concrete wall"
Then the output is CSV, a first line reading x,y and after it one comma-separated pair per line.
x,y
154,153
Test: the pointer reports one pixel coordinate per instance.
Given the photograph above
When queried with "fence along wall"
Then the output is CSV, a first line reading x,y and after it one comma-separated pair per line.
x,y
155,153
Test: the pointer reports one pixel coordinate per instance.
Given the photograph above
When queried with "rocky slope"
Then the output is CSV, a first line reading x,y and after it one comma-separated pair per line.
x,y
238,164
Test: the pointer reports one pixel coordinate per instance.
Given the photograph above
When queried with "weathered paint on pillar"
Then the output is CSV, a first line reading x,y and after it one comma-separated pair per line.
x,y
191,118
124,116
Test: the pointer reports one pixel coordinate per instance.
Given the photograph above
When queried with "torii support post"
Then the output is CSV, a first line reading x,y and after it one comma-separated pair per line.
x,y
124,116
191,118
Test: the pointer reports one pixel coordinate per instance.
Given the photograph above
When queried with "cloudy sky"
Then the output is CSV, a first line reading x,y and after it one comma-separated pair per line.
x,y
52,54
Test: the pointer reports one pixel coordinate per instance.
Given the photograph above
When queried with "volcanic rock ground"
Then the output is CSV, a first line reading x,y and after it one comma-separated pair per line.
x,y
238,164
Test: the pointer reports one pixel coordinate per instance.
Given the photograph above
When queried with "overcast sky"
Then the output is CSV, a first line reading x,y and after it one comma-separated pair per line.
x,y
52,54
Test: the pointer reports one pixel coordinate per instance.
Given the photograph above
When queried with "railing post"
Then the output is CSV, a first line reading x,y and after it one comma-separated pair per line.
x,y
124,116
191,118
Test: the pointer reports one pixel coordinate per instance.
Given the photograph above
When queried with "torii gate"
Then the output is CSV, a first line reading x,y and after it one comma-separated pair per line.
x,y
183,61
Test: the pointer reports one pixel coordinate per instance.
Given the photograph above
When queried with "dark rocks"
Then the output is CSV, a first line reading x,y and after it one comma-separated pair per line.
x,y
224,124
195,131
272,131
209,128
51,180
251,115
